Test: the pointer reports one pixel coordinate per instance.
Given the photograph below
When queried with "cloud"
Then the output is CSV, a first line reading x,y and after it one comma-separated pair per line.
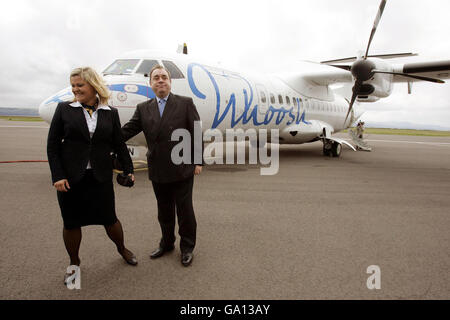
x,y
46,39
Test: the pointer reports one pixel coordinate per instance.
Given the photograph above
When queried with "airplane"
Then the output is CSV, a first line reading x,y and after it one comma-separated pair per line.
x,y
301,103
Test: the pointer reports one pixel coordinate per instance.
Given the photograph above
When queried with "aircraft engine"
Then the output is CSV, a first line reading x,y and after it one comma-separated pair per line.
x,y
379,85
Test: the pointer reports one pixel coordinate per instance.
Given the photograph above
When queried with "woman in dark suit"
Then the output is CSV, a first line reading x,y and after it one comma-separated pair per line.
x,y
82,135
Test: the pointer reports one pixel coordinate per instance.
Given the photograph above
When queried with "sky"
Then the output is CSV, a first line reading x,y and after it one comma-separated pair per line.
x,y
43,40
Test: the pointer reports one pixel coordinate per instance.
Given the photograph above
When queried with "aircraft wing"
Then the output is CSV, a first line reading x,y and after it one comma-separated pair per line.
x,y
312,79
436,69
314,73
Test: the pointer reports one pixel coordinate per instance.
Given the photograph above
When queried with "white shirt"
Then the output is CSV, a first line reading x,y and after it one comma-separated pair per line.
x,y
90,121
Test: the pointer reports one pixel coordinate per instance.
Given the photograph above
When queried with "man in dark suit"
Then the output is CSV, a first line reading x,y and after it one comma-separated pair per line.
x,y
172,183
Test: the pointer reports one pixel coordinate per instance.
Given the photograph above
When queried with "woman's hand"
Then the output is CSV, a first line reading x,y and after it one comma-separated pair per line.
x,y
132,176
198,170
62,185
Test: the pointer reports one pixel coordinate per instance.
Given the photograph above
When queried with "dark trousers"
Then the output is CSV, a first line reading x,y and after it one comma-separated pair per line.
x,y
171,197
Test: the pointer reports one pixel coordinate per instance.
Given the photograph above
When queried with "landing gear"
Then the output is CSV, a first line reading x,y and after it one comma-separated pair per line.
x,y
332,148
336,149
327,149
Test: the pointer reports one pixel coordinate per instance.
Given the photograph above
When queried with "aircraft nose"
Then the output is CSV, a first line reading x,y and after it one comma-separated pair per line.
x,y
45,111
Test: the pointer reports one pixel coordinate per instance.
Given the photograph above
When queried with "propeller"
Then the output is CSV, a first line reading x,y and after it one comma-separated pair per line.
x,y
362,69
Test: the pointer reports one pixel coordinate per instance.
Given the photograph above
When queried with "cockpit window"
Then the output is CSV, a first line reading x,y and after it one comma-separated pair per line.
x,y
175,73
123,66
146,66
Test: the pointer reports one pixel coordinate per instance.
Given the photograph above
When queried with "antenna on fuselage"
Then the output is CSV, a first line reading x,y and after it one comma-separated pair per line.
x,y
182,49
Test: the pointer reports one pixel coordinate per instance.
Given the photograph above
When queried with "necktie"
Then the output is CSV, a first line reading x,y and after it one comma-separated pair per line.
x,y
162,104
89,109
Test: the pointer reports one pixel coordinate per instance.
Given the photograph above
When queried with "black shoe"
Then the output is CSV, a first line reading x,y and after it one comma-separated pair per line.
x,y
186,258
129,258
160,252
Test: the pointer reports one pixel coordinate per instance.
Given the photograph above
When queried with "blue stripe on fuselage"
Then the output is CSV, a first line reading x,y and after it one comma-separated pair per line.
x,y
142,91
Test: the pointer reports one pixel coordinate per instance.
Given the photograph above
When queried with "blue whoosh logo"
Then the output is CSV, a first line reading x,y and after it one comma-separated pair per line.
x,y
248,115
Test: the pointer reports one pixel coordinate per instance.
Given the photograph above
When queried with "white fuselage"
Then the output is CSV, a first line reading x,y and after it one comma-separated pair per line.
x,y
225,100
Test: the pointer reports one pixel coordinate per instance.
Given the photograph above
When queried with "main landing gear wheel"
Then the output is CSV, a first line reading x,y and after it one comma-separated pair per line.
x,y
336,149
332,148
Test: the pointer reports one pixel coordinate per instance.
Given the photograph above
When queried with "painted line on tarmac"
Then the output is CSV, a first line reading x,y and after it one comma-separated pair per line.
x,y
416,142
24,127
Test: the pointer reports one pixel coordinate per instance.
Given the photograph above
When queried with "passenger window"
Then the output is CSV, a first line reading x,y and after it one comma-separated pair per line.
x,y
280,99
146,66
288,102
175,73
272,98
262,95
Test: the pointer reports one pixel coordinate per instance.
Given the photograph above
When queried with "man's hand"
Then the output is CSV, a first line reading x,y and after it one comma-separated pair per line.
x,y
62,185
198,170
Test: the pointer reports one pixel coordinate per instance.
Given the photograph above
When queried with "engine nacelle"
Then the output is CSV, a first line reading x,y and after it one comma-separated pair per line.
x,y
379,86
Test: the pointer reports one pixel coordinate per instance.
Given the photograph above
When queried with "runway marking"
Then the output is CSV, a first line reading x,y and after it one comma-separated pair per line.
x,y
390,141
24,127
416,142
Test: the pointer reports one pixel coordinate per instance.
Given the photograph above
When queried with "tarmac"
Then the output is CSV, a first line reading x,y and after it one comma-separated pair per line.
x,y
309,232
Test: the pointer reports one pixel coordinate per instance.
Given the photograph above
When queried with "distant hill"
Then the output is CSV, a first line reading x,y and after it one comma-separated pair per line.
x,y
404,125
33,112
26,112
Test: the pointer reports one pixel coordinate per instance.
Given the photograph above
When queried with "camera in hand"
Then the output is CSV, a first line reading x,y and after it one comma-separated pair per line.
x,y
125,180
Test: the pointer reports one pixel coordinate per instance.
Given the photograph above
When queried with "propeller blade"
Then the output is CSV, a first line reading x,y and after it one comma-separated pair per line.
x,y
375,25
345,67
349,59
411,76
355,89
382,56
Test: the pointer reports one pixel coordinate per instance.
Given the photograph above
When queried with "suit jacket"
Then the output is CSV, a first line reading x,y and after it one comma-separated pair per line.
x,y
179,112
69,146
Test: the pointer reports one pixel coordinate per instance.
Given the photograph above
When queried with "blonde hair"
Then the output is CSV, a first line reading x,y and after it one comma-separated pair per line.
x,y
95,80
